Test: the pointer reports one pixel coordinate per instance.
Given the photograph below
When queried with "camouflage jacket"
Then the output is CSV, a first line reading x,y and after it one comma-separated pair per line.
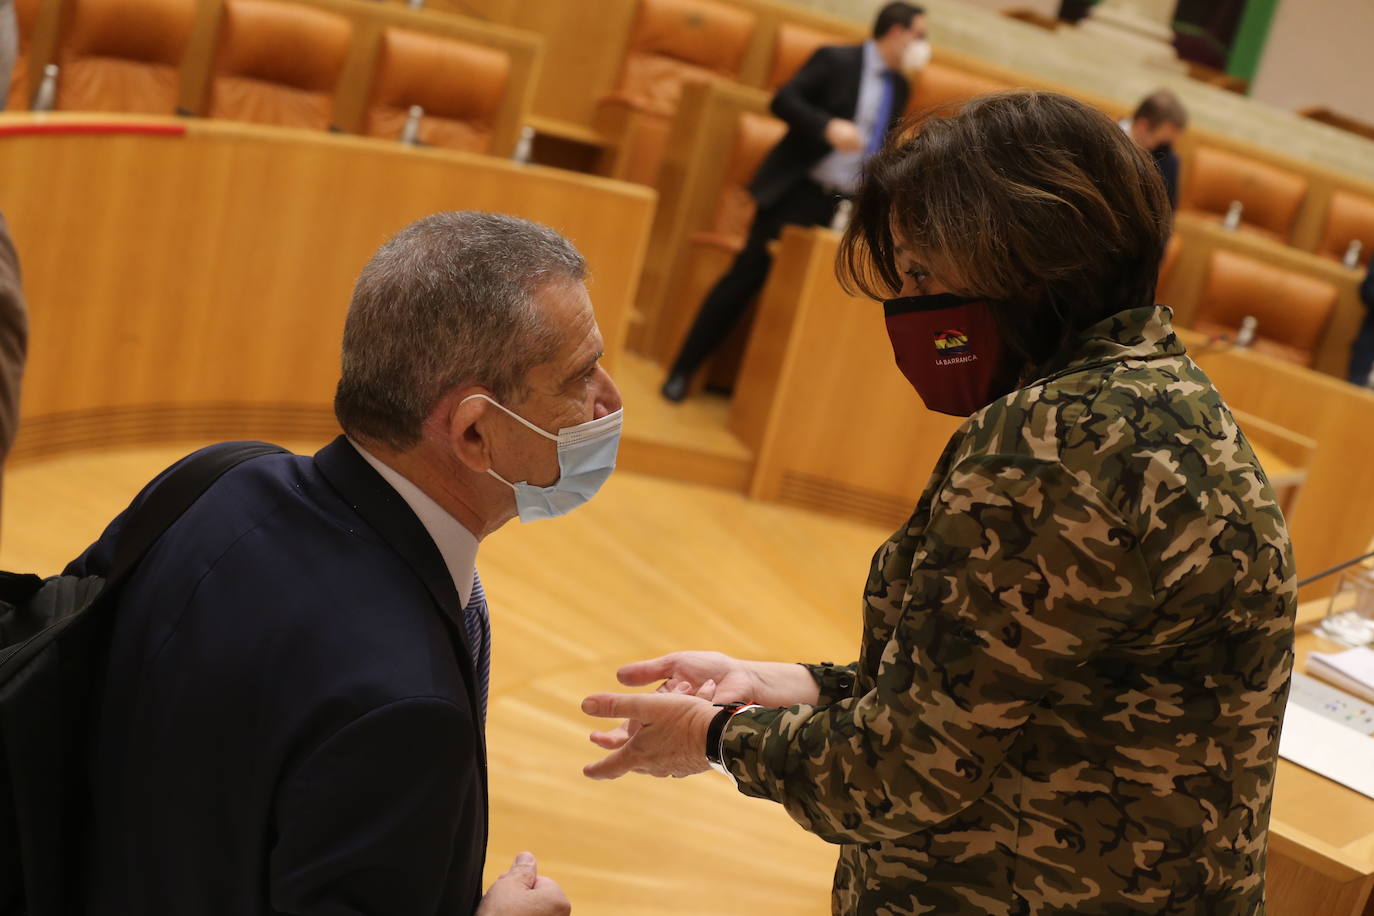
x,y
1074,665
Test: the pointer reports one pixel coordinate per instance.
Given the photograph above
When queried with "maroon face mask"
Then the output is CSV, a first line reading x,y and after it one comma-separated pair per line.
x,y
948,348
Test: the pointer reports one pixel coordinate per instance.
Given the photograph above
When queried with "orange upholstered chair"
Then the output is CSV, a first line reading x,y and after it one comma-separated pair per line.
x,y
1349,217
459,85
940,84
677,41
277,63
1270,195
21,90
123,55
1293,309
792,47
673,42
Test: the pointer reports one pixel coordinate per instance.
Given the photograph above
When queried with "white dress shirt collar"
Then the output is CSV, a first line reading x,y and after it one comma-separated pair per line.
x,y
456,544
873,61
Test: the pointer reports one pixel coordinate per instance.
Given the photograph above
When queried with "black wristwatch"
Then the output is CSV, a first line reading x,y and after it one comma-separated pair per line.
x,y
716,730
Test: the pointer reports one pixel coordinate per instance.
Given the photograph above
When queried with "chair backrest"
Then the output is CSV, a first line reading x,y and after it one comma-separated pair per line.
x,y
1293,309
1168,262
755,135
1348,217
123,55
460,86
1270,195
793,46
26,16
939,84
278,63
678,41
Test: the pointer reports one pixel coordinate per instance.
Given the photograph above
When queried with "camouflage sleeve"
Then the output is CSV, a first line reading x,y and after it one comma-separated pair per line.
x,y
836,682
1022,572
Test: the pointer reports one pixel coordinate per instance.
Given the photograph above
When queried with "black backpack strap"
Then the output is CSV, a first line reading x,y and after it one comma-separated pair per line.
x,y
170,499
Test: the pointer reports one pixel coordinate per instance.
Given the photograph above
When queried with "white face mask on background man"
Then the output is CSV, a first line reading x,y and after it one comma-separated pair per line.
x,y
586,457
916,56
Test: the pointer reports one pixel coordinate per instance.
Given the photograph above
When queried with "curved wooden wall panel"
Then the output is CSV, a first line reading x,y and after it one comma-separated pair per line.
x,y
201,280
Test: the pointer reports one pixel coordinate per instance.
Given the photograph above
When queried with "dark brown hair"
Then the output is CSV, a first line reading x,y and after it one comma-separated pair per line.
x,y
1161,107
1033,201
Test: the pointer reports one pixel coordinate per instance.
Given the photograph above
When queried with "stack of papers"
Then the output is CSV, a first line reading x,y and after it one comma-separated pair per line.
x,y
1329,732
1352,670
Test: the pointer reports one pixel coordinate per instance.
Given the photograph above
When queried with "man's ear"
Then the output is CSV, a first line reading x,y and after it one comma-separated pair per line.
x,y
468,414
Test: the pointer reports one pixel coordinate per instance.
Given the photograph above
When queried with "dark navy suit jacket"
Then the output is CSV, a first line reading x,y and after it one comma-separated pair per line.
x,y
827,86
288,721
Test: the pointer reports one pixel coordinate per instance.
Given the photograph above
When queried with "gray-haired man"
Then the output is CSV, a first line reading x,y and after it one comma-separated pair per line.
x,y
292,718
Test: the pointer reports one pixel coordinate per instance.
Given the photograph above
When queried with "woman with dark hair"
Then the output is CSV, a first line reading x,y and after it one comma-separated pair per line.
x,y
1076,652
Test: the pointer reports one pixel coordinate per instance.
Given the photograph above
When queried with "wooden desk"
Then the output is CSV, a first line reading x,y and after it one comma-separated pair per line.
x,y
194,282
566,145
1321,834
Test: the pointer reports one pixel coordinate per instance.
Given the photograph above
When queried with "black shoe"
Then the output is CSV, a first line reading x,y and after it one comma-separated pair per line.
x,y
675,388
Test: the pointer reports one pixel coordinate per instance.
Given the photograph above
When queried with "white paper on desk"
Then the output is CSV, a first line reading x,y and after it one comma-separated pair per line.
x,y
1351,670
1313,741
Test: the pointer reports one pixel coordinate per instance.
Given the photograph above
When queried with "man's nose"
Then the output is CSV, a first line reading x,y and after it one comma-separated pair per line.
x,y
607,396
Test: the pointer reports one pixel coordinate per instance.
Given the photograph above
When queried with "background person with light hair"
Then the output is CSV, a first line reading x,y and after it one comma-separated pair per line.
x,y
1155,127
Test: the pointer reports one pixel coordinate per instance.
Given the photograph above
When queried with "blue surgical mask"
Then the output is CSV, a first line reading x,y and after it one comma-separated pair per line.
x,y
586,457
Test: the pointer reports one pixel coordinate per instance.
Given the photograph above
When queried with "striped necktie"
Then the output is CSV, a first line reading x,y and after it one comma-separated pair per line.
x,y
477,623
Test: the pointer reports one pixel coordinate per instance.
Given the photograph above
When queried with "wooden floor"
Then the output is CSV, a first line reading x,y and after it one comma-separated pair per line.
x,y
648,567
689,441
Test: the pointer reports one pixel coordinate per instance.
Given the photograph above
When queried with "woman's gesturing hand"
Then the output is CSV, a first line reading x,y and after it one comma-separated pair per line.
x,y
736,680
672,741
716,677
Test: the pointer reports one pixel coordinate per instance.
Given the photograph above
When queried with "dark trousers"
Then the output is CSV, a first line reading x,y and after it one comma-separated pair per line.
x,y
1362,352
806,204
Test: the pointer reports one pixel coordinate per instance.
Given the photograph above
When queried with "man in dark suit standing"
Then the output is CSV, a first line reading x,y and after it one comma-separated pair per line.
x,y
838,108
292,715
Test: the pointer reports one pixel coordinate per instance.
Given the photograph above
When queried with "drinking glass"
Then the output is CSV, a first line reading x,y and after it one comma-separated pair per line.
x,y
1350,613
